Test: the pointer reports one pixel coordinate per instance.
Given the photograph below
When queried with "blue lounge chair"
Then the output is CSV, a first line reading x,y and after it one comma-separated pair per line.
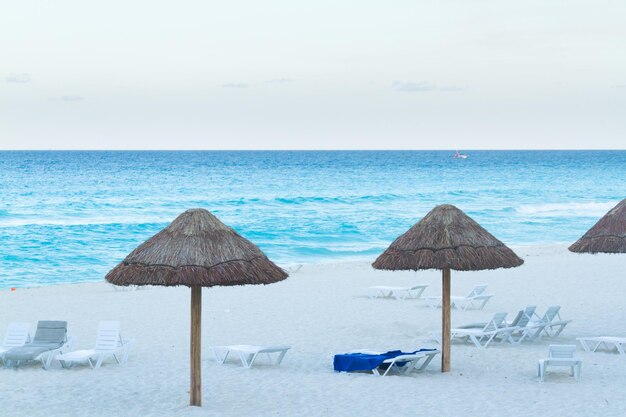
x,y
396,360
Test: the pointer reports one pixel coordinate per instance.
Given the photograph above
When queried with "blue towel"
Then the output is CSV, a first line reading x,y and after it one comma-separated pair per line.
x,y
349,362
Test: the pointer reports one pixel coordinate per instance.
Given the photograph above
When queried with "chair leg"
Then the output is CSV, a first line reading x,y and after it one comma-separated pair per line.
x,y
586,347
126,351
48,359
478,343
252,359
426,362
244,360
537,334
410,367
558,332
489,340
222,359
387,370
99,361
280,357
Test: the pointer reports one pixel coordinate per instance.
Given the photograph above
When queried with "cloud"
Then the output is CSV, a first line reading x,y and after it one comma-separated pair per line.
x,y
619,86
22,78
421,87
236,85
279,81
68,98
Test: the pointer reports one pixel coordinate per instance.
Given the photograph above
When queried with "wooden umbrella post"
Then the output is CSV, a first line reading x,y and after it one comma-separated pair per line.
x,y
195,391
445,320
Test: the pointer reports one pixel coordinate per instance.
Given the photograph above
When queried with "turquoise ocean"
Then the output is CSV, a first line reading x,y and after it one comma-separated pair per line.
x,y
72,216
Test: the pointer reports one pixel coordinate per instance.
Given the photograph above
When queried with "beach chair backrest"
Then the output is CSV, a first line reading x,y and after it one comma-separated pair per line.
x,y
530,312
496,322
478,290
561,351
108,337
17,335
524,316
518,318
551,313
51,332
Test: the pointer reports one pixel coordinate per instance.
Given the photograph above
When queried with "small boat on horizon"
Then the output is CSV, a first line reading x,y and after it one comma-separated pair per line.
x,y
458,155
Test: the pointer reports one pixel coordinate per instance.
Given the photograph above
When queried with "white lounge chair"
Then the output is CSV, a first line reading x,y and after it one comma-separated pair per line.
x,y
520,326
475,300
18,334
546,324
399,293
525,315
109,342
50,338
248,353
591,344
402,364
526,329
560,355
482,337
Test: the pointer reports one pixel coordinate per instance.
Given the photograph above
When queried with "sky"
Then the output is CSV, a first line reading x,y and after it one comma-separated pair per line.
x,y
440,74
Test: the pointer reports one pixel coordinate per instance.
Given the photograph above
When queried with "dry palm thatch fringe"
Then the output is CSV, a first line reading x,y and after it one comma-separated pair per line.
x,y
447,238
608,235
196,249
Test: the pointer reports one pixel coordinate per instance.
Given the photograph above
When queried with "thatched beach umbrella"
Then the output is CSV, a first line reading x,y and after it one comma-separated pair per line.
x,y
446,238
196,250
608,235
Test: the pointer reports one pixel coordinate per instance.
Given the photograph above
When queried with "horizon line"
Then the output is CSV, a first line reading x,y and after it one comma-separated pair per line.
x,y
317,150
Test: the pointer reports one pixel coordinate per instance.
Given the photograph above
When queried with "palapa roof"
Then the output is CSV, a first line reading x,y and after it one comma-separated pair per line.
x,y
608,235
196,249
447,238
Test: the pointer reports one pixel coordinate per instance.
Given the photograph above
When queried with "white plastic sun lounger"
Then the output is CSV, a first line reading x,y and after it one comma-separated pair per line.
x,y
249,353
546,325
526,329
399,293
109,343
560,355
18,334
475,300
482,337
591,344
50,339
520,326
524,316
410,363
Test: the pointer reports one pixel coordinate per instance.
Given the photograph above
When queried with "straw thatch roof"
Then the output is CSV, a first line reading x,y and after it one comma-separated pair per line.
x,y
196,249
447,238
608,235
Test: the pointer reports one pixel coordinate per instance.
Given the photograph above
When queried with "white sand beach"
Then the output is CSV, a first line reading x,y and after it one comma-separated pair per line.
x,y
320,310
